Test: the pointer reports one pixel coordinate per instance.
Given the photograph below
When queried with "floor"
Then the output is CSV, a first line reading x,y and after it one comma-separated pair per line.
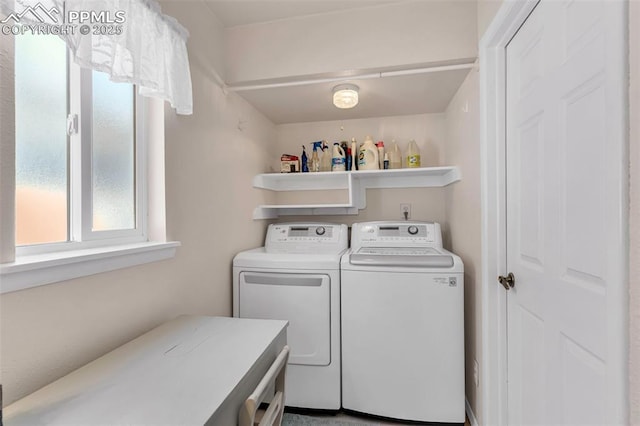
x,y
348,417
351,417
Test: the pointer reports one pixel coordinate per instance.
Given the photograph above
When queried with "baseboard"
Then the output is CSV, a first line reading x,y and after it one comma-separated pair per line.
x,y
470,415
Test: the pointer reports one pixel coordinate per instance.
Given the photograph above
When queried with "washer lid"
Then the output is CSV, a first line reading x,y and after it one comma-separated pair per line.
x,y
396,234
401,256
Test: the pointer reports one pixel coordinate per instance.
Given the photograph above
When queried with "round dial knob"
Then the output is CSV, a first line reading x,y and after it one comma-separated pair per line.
x,y
320,230
413,230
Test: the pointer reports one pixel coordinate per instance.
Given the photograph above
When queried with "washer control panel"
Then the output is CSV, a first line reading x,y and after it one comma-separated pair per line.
x,y
306,237
396,234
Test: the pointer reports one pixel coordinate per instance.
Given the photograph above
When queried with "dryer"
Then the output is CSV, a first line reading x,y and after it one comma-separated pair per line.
x,y
402,324
296,277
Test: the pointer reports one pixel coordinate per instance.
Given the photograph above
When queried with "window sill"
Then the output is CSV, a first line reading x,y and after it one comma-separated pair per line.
x,y
36,270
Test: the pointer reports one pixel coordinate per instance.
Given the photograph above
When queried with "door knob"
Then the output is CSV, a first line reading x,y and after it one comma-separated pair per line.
x,y
507,282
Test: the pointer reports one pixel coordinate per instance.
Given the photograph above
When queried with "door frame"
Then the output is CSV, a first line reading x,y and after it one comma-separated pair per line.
x,y
492,52
493,77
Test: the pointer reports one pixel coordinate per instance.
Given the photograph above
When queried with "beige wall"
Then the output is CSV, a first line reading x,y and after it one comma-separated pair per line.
x,y
634,217
462,201
487,10
427,130
382,204
403,33
51,330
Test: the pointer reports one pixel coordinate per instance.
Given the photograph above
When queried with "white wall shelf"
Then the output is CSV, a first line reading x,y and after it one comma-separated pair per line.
x,y
356,182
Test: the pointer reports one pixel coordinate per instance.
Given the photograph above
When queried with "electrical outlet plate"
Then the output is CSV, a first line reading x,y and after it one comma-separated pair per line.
x,y
405,208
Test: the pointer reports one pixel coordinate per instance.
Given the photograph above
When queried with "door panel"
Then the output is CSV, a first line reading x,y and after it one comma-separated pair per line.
x,y
303,300
565,146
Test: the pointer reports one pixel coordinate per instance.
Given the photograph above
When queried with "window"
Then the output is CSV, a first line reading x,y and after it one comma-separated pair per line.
x,y
81,170
41,140
78,151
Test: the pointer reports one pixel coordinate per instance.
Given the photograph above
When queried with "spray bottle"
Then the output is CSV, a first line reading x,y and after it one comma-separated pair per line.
x,y
315,160
305,165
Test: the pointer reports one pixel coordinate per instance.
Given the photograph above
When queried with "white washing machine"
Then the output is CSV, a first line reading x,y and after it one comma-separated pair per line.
x,y
296,277
402,324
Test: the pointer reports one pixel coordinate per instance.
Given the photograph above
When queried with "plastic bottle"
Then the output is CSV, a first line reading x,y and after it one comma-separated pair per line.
x,y
380,146
349,159
395,156
325,160
344,145
315,160
385,162
413,155
305,165
354,154
368,156
337,159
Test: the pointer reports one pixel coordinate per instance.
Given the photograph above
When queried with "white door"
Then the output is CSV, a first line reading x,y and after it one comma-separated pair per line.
x,y
566,216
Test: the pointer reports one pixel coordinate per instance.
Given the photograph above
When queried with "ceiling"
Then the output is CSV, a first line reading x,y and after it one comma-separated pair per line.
x,y
242,12
379,97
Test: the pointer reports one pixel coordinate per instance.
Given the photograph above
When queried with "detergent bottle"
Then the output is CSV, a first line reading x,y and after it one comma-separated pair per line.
x,y
315,160
413,154
337,160
368,155
305,164
325,160
395,156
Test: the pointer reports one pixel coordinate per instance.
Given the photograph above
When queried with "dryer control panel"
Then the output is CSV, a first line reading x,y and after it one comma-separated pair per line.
x,y
396,234
306,238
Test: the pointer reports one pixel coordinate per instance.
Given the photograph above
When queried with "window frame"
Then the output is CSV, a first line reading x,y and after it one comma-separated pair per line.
x,y
31,266
79,173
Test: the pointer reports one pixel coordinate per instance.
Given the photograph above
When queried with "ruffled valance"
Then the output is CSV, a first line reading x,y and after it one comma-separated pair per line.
x,y
131,40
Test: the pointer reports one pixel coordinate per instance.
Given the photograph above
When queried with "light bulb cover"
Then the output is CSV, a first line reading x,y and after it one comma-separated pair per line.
x,y
345,96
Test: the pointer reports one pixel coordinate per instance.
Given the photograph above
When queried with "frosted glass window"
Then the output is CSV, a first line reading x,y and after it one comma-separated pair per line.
x,y
41,139
113,154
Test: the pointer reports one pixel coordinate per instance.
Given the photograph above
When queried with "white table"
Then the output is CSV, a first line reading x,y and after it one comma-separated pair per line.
x,y
189,371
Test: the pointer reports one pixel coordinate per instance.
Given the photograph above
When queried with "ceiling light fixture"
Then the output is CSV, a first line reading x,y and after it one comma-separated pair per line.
x,y
345,96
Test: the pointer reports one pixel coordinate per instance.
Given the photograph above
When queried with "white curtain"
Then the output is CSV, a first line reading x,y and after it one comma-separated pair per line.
x,y
134,43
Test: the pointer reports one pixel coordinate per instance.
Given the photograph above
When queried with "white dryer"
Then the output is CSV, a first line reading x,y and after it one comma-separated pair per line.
x,y
296,277
402,324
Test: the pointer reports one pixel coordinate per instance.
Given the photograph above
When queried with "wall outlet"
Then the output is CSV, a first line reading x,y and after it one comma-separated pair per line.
x,y
405,211
476,374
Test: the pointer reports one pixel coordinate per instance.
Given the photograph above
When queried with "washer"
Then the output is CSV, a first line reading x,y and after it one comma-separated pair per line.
x,y
402,324
296,277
